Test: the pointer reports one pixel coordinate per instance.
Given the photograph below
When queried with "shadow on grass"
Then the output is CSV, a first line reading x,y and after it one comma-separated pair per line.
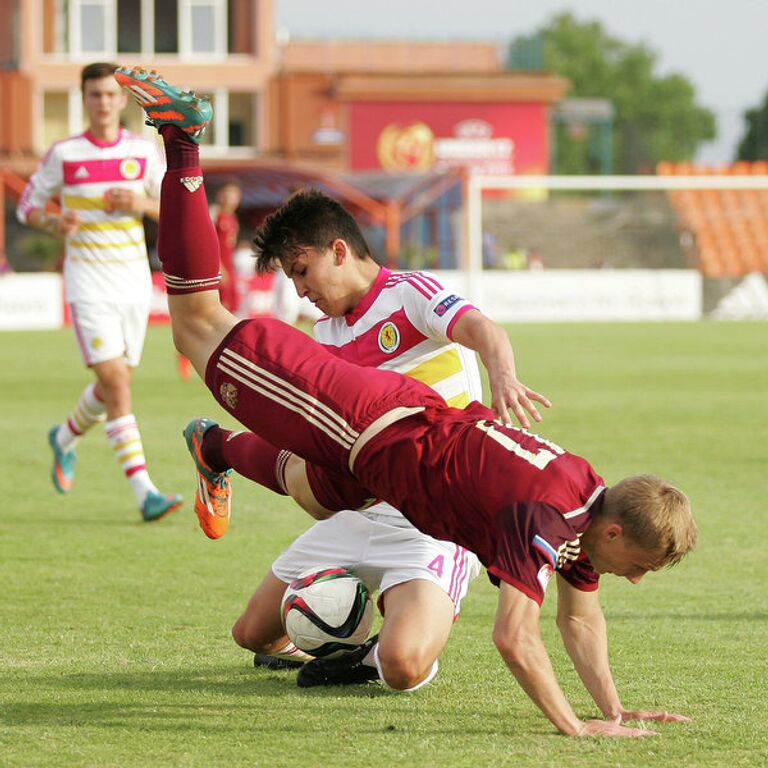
x,y
748,616
227,719
118,518
192,702
117,698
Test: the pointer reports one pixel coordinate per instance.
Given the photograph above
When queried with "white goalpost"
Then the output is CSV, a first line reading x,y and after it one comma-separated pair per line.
x,y
517,207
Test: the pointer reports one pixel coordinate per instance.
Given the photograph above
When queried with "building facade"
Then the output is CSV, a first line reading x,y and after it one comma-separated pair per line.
x,y
223,48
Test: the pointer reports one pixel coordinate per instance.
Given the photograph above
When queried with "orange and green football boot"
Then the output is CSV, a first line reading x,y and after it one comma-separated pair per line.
x,y
165,104
157,505
213,502
63,470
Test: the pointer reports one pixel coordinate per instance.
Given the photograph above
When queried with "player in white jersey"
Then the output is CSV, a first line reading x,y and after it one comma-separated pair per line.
x,y
407,322
106,180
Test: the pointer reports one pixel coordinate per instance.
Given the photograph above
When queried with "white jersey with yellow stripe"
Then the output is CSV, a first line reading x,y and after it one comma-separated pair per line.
x,y
106,258
404,323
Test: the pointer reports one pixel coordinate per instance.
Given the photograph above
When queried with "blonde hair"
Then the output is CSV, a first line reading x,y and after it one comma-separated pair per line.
x,y
654,514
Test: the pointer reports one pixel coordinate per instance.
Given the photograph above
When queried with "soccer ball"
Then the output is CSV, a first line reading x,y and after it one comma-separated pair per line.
x,y
327,612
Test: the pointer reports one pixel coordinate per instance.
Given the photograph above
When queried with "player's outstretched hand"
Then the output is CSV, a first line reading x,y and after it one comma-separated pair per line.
x,y
509,394
612,728
659,717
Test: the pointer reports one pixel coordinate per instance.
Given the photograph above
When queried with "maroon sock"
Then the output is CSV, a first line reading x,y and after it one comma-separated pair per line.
x,y
187,244
249,455
180,150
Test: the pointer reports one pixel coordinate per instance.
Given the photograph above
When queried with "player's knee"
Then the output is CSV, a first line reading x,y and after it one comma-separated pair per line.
x,y
403,670
245,633
182,338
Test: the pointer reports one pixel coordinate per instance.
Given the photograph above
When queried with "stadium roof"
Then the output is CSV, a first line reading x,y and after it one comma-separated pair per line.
x,y
376,198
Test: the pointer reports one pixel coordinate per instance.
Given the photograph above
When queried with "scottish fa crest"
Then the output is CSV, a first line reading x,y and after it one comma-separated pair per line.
x,y
389,338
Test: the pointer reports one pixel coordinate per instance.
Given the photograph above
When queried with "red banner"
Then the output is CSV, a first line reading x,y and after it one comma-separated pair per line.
x,y
490,138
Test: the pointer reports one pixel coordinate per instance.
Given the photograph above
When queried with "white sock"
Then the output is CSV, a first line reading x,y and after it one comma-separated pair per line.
x,y
88,410
290,651
124,437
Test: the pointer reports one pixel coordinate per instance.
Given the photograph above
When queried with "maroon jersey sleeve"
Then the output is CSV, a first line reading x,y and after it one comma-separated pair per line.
x,y
535,540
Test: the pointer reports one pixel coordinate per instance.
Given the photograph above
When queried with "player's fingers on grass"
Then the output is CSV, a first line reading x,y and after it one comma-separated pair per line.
x,y
658,717
663,717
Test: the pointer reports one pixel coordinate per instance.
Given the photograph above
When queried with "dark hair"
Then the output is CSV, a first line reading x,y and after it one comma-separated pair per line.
x,y
96,71
308,219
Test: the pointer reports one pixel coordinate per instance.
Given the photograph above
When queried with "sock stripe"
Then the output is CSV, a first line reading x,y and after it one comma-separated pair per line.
x,y
280,464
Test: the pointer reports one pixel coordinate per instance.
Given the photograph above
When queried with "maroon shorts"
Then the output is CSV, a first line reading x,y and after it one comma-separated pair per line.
x,y
284,386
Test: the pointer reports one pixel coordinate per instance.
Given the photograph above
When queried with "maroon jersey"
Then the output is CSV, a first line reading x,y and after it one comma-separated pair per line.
x,y
517,500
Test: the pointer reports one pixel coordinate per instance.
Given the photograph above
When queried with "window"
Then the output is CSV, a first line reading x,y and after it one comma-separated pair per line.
x,y
166,27
92,27
104,28
242,121
129,26
55,116
203,28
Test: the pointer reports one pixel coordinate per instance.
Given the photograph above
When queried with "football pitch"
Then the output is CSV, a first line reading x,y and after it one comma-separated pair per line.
x,y
114,634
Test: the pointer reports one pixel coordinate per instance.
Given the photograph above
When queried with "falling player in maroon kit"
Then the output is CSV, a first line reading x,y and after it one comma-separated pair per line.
x,y
525,506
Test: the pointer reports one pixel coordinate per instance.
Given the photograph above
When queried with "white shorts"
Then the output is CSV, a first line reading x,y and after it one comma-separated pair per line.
x,y
381,555
108,330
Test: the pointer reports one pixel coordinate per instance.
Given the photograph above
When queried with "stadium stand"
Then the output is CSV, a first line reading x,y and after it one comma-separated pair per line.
x,y
729,226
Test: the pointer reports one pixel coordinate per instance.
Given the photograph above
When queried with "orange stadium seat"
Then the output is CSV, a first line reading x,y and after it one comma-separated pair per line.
x,y
730,225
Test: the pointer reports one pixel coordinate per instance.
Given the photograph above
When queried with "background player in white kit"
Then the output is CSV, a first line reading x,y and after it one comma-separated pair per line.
x,y
410,323
107,180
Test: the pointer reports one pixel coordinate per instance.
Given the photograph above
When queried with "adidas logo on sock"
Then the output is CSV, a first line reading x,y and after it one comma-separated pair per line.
x,y
192,183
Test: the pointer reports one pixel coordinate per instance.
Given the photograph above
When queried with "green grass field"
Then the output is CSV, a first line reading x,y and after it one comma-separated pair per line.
x,y
114,634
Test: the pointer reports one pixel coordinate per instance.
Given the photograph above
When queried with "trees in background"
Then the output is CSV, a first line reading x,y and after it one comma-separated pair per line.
x,y
754,144
655,117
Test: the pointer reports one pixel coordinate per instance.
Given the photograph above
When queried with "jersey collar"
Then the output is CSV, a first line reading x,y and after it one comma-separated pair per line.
x,y
364,305
100,142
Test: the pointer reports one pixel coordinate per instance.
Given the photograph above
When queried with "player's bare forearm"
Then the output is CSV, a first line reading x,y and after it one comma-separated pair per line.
x,y
517,636
585,635
490,341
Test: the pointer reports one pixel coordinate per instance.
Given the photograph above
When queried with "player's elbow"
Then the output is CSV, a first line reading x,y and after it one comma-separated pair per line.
x,y
512,647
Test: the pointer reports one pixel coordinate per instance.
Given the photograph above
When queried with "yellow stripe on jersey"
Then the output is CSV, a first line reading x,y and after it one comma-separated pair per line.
x,y
106,226
80,203
89,260
437,368
458,401
104,246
